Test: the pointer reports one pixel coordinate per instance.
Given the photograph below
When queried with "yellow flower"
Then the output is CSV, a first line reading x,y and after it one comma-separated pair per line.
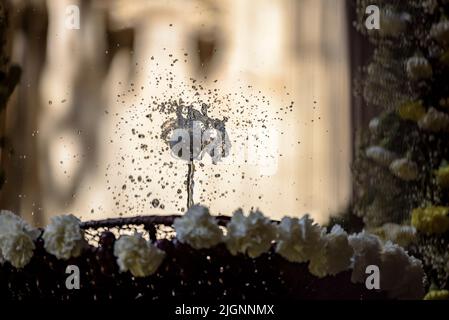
x,y
431,220
413,111
442,176
437,295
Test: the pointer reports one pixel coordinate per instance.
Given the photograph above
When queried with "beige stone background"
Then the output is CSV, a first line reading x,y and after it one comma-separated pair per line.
x,y
58,149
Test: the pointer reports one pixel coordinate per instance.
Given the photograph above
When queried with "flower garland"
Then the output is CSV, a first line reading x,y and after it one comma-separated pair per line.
x,y
296,240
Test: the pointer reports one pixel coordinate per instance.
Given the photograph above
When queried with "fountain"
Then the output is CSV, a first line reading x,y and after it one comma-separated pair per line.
x,y
193,134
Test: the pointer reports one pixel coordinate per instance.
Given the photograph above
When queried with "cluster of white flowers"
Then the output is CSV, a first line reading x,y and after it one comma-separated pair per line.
x,y
404,169
419,68
367,248
137,255
198,228
16,240
401,275
380,155
302,240
63,237
252,235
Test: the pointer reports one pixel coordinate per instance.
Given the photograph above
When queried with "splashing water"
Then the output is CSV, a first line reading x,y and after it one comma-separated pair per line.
x,y
147,169
191,135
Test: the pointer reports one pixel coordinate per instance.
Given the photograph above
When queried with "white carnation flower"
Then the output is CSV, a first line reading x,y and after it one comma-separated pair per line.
x,y
434,121
418,68
299,239
17,248
335,255
10,222
367,249
412,287
198,228
404,169
252,235
63,237
380,155
401,275
394,260
137,255
16,239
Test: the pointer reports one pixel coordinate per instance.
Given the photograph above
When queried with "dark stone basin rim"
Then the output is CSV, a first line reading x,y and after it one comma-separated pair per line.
x,y
150,220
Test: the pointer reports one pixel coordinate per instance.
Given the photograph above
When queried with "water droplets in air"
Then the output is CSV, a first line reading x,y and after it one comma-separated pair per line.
x,y
178,145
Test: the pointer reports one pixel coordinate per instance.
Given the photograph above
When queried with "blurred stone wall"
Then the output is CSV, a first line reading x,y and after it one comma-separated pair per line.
x,y
289,50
